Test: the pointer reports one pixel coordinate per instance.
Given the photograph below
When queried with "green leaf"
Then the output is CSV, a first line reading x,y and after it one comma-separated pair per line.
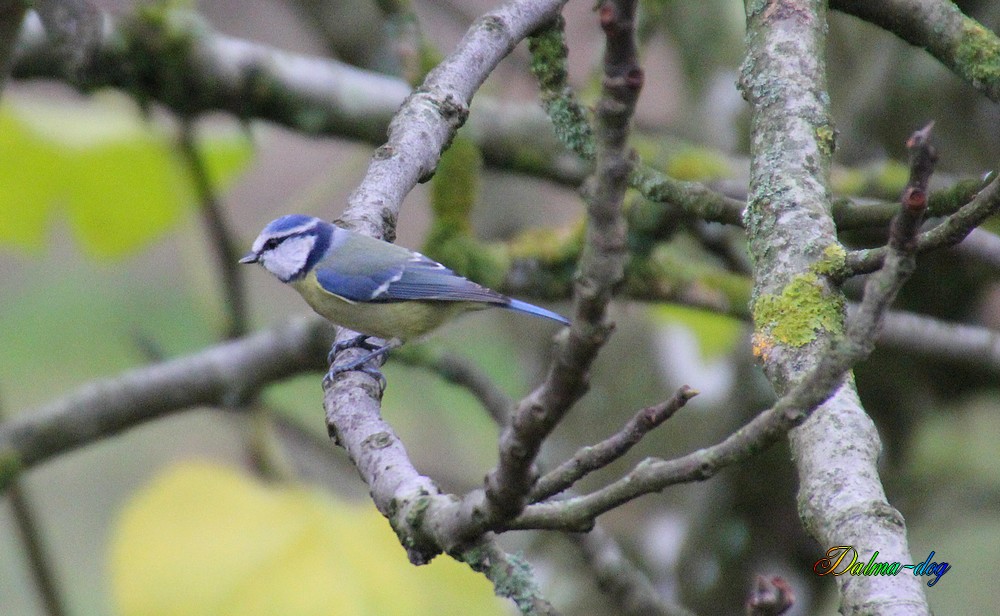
x,y
117,177
717,334
203,539
25,199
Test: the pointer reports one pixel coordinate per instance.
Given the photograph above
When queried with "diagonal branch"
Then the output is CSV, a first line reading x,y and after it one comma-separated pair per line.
x,y
959,42
791,410
591,458
632,591
221,375
222,239
601,268
455,369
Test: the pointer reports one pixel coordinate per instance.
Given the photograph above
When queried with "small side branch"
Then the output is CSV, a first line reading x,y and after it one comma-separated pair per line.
x,y
631,590
221,237
466,374
950,232
589,459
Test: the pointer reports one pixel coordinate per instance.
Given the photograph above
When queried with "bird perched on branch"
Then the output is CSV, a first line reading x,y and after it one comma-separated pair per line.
x,y
370,286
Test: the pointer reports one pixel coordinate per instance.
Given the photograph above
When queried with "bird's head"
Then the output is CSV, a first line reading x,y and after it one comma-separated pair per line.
x,y
290,246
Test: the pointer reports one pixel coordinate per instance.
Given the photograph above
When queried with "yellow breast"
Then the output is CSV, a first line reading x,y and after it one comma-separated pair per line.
x,y
404,320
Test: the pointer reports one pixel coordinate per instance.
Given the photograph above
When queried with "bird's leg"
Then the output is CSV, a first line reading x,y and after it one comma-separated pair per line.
x,y
358,342
359,364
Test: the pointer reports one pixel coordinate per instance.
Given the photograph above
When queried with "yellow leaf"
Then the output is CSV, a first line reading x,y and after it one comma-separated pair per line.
x,y
203,539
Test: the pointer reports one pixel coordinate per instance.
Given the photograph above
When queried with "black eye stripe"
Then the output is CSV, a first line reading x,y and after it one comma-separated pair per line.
x,y
270,244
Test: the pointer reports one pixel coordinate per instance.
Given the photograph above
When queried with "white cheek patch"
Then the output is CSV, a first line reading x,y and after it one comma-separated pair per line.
x,y
289,257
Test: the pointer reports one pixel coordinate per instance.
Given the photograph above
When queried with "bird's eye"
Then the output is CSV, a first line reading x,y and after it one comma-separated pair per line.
x,y
270,244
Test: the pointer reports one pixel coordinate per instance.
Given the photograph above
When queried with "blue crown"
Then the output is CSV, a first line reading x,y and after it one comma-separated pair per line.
x,y
288,223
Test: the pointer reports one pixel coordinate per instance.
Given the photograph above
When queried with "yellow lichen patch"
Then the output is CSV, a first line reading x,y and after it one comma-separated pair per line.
x,y
833,261
802,309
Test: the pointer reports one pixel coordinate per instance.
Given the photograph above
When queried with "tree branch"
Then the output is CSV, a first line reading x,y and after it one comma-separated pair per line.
x,y
313,95
422,517
631,591
591,458
792,236
455,369
221,238
949,232
959,42
222,375
601,268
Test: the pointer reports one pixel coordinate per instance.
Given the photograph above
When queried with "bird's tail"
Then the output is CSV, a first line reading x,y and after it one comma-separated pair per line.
x,y
518,305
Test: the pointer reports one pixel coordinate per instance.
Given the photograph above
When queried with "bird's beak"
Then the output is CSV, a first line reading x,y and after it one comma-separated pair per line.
x,y
250,257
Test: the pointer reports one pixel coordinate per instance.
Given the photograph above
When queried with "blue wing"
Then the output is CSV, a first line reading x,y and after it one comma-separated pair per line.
x,y
423,279
390,273
416,278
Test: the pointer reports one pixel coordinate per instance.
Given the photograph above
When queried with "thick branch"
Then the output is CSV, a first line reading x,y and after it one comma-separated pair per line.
x,y
841,499
222,375
312,95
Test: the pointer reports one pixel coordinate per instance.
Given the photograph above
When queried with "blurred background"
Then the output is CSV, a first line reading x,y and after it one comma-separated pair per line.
x,y
92,286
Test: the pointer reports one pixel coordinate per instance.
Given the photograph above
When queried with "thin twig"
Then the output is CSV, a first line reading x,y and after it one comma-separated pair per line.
x,y
24,522
948,233
221,238
630,589
37,556
591,458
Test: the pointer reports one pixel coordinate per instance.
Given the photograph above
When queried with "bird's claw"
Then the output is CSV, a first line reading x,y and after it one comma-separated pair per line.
x,y
360,364
358,342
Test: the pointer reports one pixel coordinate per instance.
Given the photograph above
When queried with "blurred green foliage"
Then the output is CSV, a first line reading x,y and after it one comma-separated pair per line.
x,y
115,177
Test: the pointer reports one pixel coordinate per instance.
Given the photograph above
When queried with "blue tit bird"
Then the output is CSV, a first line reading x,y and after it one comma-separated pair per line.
x,y
370,286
